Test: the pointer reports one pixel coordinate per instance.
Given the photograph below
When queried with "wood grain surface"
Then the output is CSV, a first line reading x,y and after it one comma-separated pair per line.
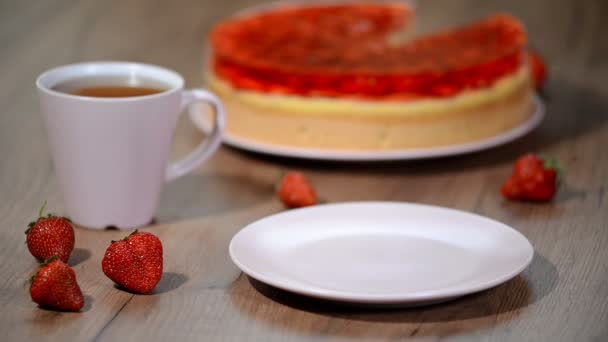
x,y
562,296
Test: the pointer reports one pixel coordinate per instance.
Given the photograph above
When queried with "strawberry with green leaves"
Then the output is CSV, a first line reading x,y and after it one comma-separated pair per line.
x,y
54,286
135,262
532,179
50,235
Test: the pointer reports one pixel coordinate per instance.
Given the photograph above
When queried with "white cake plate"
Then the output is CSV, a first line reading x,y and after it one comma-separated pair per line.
x,y
538,112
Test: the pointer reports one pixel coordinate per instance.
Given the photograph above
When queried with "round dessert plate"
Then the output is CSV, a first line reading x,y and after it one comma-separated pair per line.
x,y
198,117
380,253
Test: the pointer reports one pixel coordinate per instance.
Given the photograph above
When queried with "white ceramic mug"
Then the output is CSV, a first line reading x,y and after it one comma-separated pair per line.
x,y
111,154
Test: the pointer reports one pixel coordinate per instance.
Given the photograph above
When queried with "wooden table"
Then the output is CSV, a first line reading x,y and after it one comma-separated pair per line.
x,y
562,296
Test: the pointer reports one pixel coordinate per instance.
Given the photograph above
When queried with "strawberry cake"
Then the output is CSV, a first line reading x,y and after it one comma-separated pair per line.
x,y
341,76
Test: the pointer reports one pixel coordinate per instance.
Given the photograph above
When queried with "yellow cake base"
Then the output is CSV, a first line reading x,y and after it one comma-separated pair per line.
x,y
352,124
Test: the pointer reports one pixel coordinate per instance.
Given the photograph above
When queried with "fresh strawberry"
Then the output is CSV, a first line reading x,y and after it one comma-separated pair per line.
x,y
532,179
50,235
54,286
135,262
296,191
538,69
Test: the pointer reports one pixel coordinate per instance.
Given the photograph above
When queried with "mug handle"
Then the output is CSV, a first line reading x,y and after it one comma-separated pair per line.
x,y
209,145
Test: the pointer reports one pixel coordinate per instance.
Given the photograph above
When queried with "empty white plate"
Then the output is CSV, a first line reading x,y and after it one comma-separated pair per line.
x,y
380,252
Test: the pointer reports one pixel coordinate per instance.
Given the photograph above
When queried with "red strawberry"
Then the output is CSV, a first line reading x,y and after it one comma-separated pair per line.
x,y
135,262
54,286
538,68
532,179
50,235
296,191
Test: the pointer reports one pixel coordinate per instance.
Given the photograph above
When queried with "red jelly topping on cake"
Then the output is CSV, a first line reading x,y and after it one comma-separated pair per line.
x,y
347,50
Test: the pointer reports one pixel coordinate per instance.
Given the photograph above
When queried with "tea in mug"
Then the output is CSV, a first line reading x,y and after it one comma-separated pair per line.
x,y
110,86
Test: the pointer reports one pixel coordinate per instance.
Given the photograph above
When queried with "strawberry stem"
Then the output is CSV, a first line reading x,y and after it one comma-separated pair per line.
x,y
41,209
29,227
31,224
30,279
127,237
49,260
552,164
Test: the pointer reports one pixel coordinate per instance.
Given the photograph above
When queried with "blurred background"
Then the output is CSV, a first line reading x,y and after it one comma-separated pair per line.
x,y
37,35
41,34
